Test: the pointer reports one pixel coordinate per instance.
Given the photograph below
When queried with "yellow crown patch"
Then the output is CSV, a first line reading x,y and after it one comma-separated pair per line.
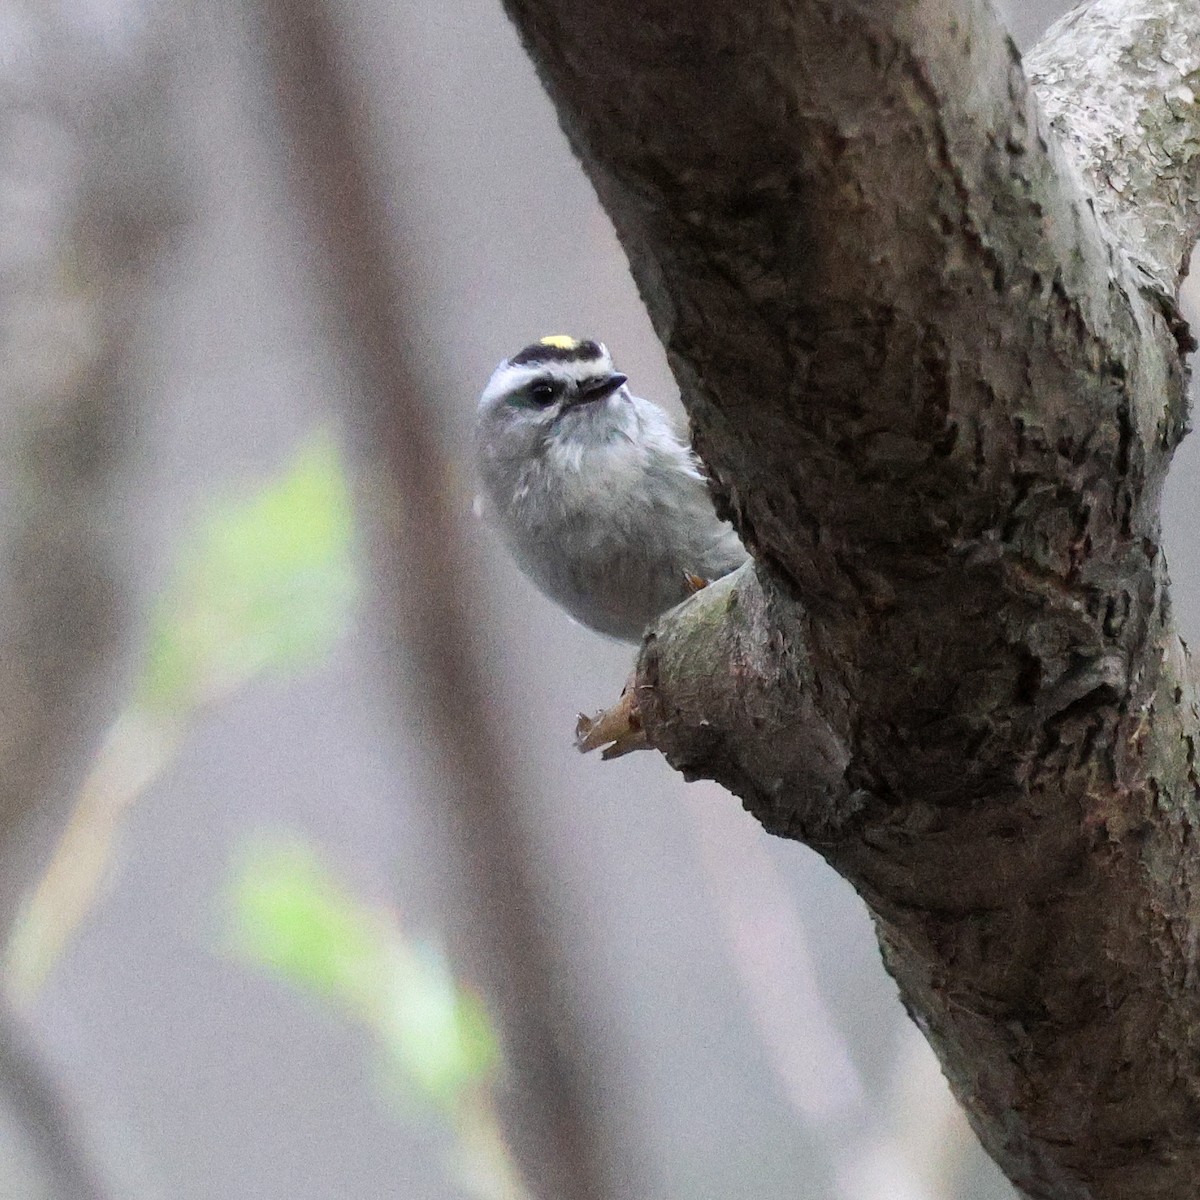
x,y
560,341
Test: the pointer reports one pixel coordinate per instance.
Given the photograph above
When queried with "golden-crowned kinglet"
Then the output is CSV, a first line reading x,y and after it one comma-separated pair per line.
x,y
601,504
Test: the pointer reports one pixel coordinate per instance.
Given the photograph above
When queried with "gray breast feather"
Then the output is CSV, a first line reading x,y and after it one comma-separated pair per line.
x,y
616,558
608,512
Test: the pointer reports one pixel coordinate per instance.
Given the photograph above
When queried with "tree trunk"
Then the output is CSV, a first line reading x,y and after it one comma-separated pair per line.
x,y
923,317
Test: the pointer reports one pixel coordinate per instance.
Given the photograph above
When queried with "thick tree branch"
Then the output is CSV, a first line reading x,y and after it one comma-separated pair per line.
x,y
939,399
735,649
1120,83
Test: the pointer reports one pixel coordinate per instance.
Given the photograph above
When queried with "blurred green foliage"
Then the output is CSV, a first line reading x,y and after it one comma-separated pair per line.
x,y
291,916
263,583
267,583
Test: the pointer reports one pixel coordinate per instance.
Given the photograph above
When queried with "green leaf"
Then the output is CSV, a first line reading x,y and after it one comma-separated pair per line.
x,y
437,1032
292,917
264,583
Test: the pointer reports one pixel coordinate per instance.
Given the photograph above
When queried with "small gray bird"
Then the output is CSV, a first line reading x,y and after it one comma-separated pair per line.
x,y
601,504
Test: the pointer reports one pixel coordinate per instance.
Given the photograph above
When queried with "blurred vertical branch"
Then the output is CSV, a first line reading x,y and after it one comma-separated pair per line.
x,y
86,191
876,1152
88,188
429,575
27,1089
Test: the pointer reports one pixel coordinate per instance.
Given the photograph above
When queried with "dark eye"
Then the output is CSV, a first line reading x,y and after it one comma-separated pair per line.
x,y
543,393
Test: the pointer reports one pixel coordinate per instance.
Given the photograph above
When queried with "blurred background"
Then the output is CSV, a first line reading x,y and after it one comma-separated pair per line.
x,y
311,895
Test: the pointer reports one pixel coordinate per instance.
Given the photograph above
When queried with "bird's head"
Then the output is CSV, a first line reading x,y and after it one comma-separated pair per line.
x,y
558,390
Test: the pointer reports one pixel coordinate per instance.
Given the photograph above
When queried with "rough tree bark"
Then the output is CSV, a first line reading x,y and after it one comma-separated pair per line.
x,y
923,316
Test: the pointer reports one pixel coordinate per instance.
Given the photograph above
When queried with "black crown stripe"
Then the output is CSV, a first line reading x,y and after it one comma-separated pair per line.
x,y
539,353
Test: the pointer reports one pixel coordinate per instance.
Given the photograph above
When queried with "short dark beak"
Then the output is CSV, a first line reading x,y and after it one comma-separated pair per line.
x,y
597,389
